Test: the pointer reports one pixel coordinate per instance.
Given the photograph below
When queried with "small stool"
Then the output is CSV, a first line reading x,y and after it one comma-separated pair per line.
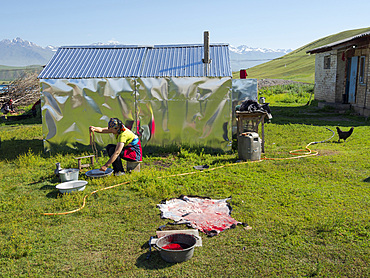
x,y
133,166
80,166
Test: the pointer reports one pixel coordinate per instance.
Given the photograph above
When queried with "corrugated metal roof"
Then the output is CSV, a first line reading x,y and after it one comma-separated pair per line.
x,y
137,61
329,46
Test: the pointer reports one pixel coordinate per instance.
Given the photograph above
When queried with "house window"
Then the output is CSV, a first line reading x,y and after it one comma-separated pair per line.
x,y
361,74
327,62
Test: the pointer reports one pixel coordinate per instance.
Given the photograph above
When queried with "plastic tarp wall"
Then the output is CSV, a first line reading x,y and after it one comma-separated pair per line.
x,y
189,110
69,107
242,89
162,111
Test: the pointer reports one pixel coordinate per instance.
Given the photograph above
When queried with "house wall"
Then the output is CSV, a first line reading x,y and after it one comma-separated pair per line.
x,y
367,100
340,85
325,78
331,81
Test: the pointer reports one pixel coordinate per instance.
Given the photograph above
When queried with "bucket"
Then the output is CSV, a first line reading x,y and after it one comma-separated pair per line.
x,y
176,248
243,74
249,146
133,166
70,174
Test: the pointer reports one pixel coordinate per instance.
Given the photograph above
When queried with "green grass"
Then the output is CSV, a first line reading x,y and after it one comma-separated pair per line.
x,y
309,216
297,65
8,73
294,93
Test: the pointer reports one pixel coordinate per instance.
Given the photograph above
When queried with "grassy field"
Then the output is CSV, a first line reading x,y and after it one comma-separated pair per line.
x,y
297,65
8,74
309,216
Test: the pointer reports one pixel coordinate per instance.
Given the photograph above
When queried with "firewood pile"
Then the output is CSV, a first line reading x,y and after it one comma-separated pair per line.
x,y
24,91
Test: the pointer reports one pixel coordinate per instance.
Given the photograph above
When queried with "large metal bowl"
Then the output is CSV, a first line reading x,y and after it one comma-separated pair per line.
x,y
183,247
70,186
96,173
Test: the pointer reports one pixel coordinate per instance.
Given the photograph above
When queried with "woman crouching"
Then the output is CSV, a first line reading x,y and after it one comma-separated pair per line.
x,y
128,145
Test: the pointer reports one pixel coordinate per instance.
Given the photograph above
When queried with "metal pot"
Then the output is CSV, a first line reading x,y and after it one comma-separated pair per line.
x,y
176,248
69,174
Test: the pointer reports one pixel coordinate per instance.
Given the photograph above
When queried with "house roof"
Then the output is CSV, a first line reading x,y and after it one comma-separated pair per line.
x,y
137,61
344,42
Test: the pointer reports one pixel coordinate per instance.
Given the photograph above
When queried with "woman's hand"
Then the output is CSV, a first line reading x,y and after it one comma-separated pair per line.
x,y
99,129
103,168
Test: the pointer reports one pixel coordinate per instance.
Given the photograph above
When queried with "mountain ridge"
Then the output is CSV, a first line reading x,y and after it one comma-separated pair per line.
x,y
20,53
295,65
245,57
243,49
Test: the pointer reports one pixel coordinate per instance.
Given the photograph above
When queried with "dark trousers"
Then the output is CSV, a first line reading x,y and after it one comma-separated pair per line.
x,y
117,164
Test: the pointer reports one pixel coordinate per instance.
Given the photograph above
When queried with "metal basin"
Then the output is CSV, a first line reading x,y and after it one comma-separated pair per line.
x,y
70,174
96,173
176,248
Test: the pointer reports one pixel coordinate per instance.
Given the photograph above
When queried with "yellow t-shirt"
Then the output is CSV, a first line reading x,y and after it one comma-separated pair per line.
x,y
126,137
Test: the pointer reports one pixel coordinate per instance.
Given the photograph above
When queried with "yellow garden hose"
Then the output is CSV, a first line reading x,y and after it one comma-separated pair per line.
x,y
306,152
299,153
109,187
84,200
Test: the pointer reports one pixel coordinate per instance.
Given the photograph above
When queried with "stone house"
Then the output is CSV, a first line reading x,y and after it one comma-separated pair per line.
x,y
342,73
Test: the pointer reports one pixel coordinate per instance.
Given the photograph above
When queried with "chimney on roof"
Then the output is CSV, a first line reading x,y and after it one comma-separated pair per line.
x,y
206,59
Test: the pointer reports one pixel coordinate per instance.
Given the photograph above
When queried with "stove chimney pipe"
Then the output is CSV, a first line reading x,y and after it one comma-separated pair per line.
x,y
206,59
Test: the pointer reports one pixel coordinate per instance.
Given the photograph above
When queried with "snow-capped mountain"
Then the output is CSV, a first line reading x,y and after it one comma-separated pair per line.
x,y
244,57
109,43
244,49
52,48
18,52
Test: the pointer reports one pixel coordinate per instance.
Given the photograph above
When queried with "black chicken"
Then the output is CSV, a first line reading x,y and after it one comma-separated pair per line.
x,y
344,134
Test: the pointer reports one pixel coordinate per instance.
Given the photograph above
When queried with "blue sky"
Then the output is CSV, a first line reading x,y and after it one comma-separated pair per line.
x,y
268,24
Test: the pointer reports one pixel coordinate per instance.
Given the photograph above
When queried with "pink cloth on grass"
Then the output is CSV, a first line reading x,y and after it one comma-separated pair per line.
x,y
207,215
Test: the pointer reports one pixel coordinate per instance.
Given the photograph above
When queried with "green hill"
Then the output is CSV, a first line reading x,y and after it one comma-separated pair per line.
x,y
297,65
8,73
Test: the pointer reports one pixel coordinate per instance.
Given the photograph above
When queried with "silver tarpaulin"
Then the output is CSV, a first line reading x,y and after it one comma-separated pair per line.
x,y
242,89
162,111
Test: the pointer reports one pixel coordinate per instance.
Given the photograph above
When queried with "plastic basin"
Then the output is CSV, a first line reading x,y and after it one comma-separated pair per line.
x,y
70,186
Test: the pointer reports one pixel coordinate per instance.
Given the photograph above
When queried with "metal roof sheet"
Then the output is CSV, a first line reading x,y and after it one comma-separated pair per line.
x,y
329,46
137,61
